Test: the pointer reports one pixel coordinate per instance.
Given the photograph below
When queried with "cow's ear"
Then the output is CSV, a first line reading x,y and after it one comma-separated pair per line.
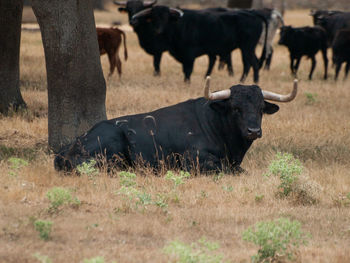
x,y
122,9
270,108
220,106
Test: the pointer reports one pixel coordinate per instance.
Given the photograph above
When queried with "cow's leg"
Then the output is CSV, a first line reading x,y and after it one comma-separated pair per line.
x,y
325,62
187,68
337,69
292,65
112,62
313,65
156,63
246,66
347,68
212,59
268,60
296,66
255,64
118,64
229,65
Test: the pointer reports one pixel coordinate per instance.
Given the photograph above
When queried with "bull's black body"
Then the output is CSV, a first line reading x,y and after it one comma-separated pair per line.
x,y
209,135
148,40
341,51
199,33
304,41
332,21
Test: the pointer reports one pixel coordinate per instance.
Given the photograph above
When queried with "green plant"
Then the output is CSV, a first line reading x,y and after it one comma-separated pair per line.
x,y
16,164
59,196
311,98
42,258
161,202
259,198
88,168
227,188
44,228
127,179
201,251
177,179
287,168
94,260
275,239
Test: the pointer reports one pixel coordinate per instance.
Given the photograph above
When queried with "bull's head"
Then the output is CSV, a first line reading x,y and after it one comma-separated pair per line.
x,y
246,105
158,16
286,34
133,6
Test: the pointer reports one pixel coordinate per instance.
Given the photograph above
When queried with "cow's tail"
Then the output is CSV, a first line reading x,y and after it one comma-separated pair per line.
x,y
125,49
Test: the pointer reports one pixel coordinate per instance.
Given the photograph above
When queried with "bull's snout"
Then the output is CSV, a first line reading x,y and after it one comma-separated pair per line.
x,y
254,133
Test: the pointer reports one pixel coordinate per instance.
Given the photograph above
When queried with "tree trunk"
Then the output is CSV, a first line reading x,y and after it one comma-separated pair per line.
x,y
239,3
76,86
10,32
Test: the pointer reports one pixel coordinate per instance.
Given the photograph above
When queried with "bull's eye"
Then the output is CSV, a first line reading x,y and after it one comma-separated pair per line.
x,y
149,20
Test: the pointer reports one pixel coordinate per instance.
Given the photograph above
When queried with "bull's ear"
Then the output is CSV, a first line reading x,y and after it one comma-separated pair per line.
x,y
220,106
122,9
270,108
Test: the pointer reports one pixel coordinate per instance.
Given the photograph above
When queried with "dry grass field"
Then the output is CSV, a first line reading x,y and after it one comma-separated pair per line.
x,y
315,128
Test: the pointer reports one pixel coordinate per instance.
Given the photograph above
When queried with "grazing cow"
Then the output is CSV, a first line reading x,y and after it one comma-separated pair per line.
x,y
109,40
304,41
209,134
332,21
341,51
192,33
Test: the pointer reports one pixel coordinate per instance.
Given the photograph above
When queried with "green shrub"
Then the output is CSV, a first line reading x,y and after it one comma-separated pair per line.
x,y
88,168
44,228
42,258
127,179
201,251
275,239
177,179
95,260
59,196
15,164
287,168
311,98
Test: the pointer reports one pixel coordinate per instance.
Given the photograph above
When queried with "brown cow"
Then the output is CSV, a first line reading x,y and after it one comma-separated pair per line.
x,y
109,40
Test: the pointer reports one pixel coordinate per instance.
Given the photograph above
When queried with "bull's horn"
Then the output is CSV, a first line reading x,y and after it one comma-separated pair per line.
x,y
149,3
178,11
268,95
219,95
123,3
142,13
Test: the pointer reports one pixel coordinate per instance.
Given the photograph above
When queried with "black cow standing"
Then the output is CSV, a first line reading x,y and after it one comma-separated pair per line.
x,y
341,51
304,41
210,134
150,42
332,21
190,34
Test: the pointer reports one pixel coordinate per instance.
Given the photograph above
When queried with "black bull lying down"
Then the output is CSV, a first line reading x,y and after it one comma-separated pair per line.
x,y
211,133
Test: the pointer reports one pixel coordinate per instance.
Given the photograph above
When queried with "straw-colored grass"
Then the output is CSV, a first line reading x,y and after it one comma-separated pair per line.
x,y
316,132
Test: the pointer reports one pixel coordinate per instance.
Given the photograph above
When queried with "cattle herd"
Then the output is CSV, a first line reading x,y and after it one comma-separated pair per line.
x,y
211,133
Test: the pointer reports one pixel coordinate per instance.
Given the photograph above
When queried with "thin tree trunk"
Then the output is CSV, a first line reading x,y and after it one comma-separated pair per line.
x,y
239,3
76,86
10,38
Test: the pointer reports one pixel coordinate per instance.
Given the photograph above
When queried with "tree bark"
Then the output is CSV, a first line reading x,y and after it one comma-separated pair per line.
x,y
239,3
10,32
76,86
